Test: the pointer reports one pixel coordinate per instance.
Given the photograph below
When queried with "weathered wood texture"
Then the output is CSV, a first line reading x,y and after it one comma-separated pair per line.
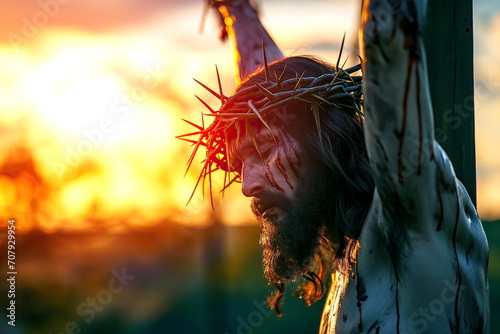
x,y
448,40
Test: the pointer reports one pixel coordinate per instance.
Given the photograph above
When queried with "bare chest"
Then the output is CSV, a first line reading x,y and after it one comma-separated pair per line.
x,y
356,305
420,294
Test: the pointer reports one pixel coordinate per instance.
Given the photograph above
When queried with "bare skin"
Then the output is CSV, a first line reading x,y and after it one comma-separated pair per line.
x,y
421,264
423,253
438,277
280,164
281,183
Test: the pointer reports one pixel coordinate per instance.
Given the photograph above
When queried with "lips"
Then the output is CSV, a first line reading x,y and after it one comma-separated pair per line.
x,y
263,208
260,208
267,211
265,203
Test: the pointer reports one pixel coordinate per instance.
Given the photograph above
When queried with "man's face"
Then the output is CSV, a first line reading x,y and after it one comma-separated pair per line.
x,y
289,192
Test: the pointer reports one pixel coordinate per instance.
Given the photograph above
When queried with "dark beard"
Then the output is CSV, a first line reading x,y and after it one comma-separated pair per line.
x,y
291,241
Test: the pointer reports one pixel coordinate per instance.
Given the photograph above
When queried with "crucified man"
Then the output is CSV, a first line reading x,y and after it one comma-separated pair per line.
x,y
347,180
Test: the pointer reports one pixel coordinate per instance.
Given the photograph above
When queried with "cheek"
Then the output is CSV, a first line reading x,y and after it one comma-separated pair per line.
x,y
286,164
291,152
271,176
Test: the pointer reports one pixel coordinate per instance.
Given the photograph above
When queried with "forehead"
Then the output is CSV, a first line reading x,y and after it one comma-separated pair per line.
x,y
246,132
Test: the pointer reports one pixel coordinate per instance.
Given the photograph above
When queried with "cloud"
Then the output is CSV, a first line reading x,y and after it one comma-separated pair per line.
x,y
88,15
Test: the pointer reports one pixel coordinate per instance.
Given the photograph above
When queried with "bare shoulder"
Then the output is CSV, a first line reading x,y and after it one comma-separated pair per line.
x,y
434,280
406,281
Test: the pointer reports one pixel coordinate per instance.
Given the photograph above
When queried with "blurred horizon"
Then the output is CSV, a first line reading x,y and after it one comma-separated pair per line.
x,y
95,92
93,95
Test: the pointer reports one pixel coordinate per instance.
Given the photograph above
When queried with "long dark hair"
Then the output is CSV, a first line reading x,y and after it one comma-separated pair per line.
x,y
340,146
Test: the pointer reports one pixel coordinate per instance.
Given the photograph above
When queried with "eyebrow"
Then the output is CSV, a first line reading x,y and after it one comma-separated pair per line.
x,y
262,137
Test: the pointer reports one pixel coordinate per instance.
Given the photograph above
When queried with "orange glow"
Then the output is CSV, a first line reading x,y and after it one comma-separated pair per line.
x,y
95,124
89,112
229,21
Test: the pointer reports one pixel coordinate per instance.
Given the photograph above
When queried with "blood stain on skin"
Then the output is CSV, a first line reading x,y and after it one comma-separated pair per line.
x,y
282,169
290,153
271,179
401,133
420,126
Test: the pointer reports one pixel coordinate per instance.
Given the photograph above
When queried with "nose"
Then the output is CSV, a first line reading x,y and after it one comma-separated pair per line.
x,y
253,179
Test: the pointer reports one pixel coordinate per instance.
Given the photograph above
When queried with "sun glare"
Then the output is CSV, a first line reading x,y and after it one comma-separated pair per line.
x,y
89,119
98,119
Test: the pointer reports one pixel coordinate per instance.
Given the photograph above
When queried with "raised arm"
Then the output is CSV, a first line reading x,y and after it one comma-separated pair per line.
x,y
247,35
399,124
417,185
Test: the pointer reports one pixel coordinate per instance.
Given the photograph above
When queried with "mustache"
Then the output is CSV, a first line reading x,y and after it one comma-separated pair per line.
x,y
266,200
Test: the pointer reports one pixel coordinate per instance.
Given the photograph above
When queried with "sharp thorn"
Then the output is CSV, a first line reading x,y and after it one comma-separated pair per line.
x,y
205,104
196,185
211,193
227,152
191,123
224,186
297,85
346,59
255,144
270,96
278,82
340,53
222,97
211,90
250,104
234,179
190,134
282,73
192,141
266,72
318,125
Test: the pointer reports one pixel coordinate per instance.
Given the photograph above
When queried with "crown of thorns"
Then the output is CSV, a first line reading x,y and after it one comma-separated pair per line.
x,y
340,89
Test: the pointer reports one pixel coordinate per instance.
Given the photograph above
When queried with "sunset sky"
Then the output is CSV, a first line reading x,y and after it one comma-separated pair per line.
x,y
93,93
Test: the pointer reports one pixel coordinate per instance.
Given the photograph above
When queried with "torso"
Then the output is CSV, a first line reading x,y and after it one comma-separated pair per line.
x,y
415,292
423,255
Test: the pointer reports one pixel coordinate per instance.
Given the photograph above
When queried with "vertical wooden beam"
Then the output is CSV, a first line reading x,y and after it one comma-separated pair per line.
x,y
448,40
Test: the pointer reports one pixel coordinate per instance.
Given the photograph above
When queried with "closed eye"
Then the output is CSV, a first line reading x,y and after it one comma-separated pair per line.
x,y
266,147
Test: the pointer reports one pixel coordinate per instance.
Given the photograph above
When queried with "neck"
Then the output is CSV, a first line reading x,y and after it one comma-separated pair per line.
x,y
344,228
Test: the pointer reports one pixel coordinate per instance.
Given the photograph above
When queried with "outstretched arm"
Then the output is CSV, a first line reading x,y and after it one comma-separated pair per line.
x,y
420,194
246,34
399,125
